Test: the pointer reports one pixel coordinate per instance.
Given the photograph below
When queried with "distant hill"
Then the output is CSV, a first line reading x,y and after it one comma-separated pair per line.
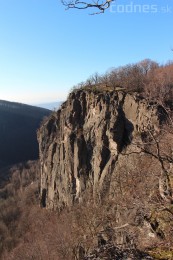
x,y
51,106
18,126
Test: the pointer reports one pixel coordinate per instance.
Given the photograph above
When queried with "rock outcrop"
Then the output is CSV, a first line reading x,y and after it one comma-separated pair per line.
x,y
85,143
110,252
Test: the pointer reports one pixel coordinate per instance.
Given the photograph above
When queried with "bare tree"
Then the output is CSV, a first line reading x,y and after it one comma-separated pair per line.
x,y
159,146
102,5
148,65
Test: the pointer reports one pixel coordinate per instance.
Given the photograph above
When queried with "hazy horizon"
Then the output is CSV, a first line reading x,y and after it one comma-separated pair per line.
x,y
42,104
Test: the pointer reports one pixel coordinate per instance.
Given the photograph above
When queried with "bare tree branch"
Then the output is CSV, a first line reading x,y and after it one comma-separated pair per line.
x,y
102,5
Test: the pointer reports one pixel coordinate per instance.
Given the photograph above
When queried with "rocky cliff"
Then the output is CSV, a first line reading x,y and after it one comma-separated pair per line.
x,y
87,142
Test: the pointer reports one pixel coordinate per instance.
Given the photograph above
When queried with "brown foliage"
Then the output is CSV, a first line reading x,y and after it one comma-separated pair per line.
x,y
13,195
152,80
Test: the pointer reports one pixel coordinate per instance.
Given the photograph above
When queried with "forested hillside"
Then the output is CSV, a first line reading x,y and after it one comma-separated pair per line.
x,y
18,126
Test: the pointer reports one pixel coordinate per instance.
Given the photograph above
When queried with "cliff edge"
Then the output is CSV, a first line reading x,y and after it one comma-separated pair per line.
x,y
83,144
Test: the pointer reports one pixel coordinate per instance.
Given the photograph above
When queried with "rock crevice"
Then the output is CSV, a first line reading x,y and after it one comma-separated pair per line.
x,y
80,144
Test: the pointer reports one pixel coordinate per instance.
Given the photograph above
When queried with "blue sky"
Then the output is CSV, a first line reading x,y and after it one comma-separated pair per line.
x,y
45,50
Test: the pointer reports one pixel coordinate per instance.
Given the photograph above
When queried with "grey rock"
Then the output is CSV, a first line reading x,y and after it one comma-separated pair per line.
x,y
81,144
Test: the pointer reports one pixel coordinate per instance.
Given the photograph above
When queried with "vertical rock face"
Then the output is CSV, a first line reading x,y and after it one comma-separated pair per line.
x,y
81,145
